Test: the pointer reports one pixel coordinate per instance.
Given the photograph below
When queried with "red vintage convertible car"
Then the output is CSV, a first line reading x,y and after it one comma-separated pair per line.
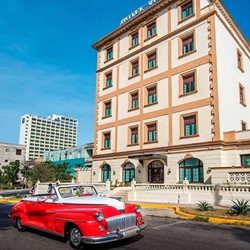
x,y
79,214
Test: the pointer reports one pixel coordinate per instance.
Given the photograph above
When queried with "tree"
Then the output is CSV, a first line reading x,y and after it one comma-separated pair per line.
x,y
26,174
47,171
10,172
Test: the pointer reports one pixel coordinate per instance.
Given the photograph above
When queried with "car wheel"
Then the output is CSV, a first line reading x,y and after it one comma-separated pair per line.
x,y
75,237
19,224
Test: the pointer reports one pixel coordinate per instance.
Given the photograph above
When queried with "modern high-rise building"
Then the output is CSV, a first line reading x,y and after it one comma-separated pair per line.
x,y
172,96
40,134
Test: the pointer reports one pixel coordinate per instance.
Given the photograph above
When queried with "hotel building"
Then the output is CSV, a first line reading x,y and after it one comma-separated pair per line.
x,y
172,96
39,134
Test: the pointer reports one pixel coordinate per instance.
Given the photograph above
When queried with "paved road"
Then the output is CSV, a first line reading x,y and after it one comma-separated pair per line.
x,y
161,233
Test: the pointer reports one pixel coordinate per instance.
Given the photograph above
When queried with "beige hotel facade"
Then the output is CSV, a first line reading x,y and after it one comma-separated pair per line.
x,y
173,97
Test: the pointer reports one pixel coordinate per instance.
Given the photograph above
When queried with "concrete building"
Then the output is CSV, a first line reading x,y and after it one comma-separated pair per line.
x,y
40,134
172,96
11,153
76,157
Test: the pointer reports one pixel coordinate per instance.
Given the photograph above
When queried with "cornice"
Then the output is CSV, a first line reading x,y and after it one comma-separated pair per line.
x,y
154,9
132,23
209,145
231,22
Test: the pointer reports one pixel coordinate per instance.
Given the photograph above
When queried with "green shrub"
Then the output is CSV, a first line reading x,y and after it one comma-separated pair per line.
x,y
18,196
204,206
201,218
240,207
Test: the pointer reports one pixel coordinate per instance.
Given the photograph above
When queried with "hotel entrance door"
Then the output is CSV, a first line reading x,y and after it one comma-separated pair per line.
x,y
156,172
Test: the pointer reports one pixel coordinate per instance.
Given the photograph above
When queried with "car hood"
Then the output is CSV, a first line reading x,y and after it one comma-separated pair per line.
x,y
95,200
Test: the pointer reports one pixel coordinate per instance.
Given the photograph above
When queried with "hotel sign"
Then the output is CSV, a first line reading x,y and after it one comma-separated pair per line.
x,y
138,11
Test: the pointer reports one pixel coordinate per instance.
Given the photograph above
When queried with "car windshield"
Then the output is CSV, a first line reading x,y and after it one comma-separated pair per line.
x,y
71,191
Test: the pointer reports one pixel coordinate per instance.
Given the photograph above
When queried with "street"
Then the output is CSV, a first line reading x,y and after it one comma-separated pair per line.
x,y
161,233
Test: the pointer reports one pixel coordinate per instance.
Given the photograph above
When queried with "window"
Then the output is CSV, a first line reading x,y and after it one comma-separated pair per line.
x,y
239,60
242,95
190,125
245,160
192,169
106,173
107,140
134,135
135,68
109,53
108,79
152,62
128,172
243,125
188,82
18,152
186,10
152,134
152,97
134,100
134,39
187,44
107,109
151,30
23,120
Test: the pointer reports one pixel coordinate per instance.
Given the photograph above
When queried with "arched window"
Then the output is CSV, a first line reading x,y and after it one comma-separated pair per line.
x,y
156,172
128,172
192,169
106,172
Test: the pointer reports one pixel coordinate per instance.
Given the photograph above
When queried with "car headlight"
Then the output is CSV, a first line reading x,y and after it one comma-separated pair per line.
x,y
99,216
138,209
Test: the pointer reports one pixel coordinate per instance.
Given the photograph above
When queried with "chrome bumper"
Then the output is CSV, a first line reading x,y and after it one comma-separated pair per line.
x,y
114,236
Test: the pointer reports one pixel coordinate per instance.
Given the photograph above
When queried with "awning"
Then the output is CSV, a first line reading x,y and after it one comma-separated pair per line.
x,y
142,157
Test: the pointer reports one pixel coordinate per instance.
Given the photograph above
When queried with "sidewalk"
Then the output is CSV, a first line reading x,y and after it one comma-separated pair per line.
x,y
173,211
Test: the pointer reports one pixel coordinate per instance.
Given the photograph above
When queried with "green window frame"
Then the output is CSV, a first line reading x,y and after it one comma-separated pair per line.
x,y
109,80
152,96
135,100
152,62
192,169
152,133
189,84
135,68
106,173
187,44
134,135
107,140
190,127
107,109
187,10
135,39
245,160
128,172
151,30
109,53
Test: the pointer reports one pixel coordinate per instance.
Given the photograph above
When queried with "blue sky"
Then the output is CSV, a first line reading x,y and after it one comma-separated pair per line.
x,y
47,65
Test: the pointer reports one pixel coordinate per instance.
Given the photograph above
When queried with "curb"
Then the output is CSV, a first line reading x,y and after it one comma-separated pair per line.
x,y
192,216
10,200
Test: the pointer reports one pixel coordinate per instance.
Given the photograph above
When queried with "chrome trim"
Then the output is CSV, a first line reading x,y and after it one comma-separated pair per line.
x,y
114,236
123,222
